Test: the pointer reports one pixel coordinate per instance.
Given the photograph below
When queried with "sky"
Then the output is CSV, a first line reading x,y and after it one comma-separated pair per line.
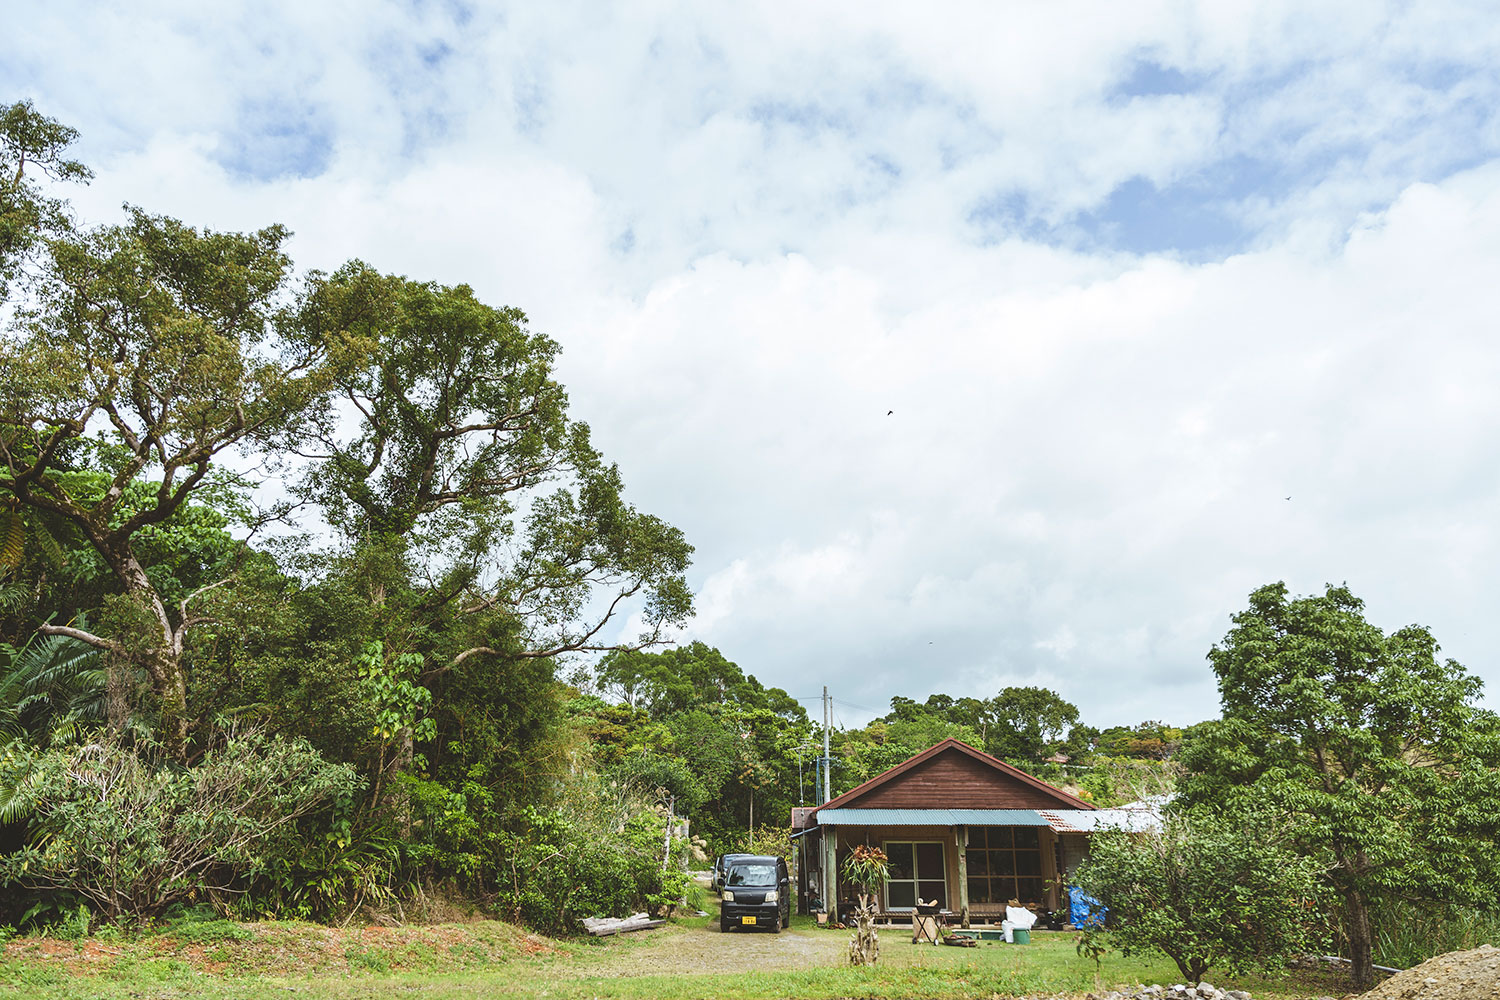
x,y
970,344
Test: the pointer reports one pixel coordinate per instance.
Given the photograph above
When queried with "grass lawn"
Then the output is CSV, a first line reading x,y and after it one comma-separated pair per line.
x,y
689,959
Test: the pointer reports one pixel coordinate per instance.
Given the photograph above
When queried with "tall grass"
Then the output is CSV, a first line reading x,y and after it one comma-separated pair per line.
x,y
1408,934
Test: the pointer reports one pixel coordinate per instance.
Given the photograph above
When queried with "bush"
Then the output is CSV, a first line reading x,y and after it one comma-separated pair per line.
x,y
135,833
556,873
1205,891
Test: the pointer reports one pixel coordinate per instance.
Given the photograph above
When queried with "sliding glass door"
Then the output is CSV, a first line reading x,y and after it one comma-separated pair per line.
x,y
918,871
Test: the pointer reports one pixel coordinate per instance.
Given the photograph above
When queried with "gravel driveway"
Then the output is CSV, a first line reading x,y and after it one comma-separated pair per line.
x,y
680,949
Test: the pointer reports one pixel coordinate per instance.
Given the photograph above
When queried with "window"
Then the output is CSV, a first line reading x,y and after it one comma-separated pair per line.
x,y
917,872
752,875
1005,863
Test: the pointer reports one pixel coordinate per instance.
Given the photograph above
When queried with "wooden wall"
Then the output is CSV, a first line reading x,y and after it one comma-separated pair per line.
x,y
954,780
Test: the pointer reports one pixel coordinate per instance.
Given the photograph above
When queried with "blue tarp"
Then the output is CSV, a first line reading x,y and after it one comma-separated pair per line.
x,y
1084,910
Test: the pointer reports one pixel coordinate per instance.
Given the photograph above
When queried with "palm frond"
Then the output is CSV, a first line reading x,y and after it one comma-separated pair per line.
x,y
15,778
14,596
48,678
12,540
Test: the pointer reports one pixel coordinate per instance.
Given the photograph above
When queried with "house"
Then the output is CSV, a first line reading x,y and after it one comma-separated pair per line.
x,y
958,826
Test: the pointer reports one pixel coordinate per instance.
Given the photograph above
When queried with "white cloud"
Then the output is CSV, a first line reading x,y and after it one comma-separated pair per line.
x,y
754,234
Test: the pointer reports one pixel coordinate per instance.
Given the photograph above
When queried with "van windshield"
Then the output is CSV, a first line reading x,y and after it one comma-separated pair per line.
x,y
752,875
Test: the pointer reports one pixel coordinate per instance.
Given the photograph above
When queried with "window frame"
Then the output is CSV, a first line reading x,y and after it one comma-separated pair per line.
x,y
917,875
1011,880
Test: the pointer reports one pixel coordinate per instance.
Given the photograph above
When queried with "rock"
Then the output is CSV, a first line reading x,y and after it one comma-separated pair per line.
x,y
1458,975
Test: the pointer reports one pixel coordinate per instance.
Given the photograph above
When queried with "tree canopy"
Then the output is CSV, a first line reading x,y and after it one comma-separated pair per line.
x,y
459,534
1374,745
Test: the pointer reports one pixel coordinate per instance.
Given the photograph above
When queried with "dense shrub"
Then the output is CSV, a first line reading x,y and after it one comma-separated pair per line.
x,y
134,832
556,873
1206,891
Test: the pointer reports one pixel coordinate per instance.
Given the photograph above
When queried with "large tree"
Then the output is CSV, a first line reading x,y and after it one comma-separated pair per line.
x,y
146,350
452,468
1374,746
32,147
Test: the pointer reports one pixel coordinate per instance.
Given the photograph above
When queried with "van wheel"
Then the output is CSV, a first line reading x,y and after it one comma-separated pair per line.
x,y
776,926
724,926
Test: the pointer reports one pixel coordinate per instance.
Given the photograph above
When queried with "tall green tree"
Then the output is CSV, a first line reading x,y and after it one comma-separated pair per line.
x,y
1375,747
32,147
687,677
1019,723
484,531
452,467
1028,722
166,341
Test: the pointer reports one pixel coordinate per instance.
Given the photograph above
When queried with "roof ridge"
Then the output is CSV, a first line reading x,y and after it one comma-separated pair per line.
x,y
951,743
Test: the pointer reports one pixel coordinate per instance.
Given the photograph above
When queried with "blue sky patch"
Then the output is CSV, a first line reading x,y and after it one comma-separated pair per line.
x,y
274,139
1148,78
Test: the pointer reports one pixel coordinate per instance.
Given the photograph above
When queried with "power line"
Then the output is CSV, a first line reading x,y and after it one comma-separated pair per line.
x,y
850,704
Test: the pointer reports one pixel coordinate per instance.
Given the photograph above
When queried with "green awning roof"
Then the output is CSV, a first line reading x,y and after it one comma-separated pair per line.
x,y
930,817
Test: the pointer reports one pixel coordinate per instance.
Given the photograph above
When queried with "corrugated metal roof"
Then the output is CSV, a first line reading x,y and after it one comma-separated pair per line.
x,y
930,817
1089,820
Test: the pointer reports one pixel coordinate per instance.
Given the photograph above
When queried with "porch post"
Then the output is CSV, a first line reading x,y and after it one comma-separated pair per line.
x,y
830,871
961,836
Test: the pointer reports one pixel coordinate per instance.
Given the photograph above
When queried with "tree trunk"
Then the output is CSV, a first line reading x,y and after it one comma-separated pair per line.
x,y
162,655
864,946
1360,946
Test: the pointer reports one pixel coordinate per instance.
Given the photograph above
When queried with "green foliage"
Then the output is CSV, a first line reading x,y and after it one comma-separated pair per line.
x,y
1206,891
1018,723
558,871
866,868
135,834
49,682
63,916
163,337
480,534
1373,748
1408,933
30,144
400,705
773,842
1150,740
689,678
331,875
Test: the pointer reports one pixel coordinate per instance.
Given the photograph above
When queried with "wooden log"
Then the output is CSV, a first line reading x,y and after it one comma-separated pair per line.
x,y
606,926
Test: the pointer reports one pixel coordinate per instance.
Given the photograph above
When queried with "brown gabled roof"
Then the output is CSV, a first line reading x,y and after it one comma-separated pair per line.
x,y
1070,801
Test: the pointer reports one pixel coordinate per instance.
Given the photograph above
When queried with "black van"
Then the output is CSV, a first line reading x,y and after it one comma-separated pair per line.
x,y
756,893
721,865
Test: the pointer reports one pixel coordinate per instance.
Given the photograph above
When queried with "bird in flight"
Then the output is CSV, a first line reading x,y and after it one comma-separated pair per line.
x,y
889,412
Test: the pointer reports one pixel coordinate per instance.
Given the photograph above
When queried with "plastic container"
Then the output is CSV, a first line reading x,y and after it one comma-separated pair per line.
x,y
1021,935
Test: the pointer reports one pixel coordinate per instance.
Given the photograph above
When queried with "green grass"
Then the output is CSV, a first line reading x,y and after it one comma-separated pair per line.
x,y
490,959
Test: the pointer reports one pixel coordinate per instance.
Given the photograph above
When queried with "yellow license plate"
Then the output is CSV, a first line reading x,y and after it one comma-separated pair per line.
x,y
747,920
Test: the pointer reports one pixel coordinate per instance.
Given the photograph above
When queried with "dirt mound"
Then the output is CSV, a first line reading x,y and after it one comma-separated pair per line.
x,y
1458,975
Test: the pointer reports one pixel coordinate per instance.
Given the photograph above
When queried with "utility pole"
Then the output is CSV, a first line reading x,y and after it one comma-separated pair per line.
x,y
827,718
829,833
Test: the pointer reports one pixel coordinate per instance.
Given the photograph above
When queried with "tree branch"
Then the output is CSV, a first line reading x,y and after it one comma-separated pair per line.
x,y
77,633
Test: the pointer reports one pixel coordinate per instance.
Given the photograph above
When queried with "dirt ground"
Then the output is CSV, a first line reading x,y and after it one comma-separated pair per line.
x,y
710,950
1458,975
